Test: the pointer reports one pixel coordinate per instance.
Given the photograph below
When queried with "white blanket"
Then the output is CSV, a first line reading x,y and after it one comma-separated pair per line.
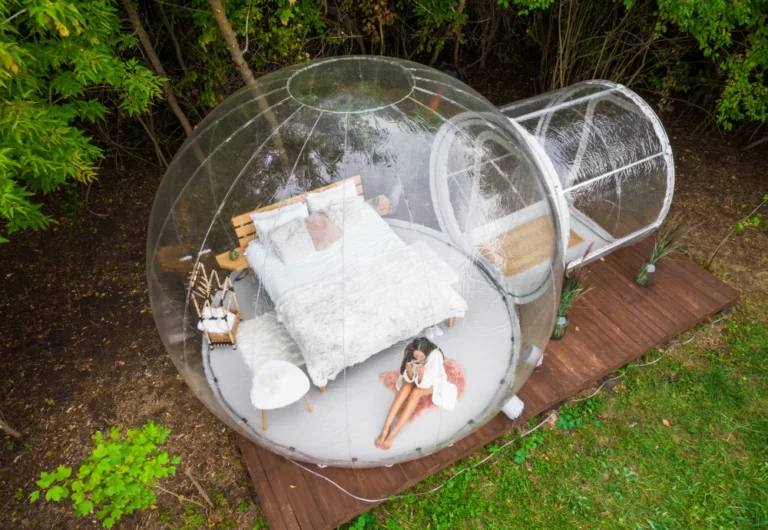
x,y
212,320
343,319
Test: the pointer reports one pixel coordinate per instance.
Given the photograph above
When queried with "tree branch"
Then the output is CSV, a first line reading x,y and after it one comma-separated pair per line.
x,y
199,488
230,38
7,428
8,20
730,233
152,137
180,498
755,143
157,66
174,40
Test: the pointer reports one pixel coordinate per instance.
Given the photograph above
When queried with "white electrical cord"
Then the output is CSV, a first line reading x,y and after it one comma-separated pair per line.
x,y
484,460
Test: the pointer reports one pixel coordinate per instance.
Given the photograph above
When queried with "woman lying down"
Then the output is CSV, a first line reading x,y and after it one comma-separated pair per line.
x,y
421,374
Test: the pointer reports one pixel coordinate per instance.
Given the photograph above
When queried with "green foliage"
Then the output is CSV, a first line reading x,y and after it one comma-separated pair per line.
x,y
731,35
755,220
59,62
260,524
193,519
364,522
671,238
568,421
435,20
278,32
67,64
574,416
526,6
735,35
572,291
117,478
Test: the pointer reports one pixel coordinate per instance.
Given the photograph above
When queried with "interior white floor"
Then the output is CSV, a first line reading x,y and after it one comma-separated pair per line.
x,y
591,233
349,415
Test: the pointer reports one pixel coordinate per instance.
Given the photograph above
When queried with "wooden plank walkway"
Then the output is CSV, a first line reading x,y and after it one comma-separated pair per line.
x,y
617,322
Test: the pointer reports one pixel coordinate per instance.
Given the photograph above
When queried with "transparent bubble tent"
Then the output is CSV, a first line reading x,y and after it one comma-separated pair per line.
x,y
316,223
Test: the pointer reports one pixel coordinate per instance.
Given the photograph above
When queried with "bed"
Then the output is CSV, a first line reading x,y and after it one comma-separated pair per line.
x,y
364,293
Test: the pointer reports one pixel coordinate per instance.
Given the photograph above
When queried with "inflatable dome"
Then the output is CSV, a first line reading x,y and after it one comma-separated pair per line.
x,y
357,261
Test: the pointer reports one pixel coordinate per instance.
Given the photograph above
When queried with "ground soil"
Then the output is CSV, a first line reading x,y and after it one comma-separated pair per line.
x,y
80,353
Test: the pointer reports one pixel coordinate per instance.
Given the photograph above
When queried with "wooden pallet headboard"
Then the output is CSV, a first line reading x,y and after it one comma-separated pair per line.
x,y
244,224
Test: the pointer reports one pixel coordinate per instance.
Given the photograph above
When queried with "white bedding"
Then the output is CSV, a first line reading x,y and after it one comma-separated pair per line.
x,y
380,301
370,235
364,293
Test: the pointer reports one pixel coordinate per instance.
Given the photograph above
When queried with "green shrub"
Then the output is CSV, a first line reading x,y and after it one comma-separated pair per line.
x,y
117,478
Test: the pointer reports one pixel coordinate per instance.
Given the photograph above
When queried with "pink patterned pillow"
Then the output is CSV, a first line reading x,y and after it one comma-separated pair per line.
x,y
322,230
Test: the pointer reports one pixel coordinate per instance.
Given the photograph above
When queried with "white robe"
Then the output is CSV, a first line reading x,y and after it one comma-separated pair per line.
x,y
212,320
444,393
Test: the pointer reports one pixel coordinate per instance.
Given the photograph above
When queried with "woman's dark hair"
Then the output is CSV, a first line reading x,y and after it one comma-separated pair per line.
x,y
422,344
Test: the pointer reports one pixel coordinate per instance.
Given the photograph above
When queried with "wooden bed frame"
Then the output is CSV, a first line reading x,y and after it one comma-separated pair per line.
x,y
246,232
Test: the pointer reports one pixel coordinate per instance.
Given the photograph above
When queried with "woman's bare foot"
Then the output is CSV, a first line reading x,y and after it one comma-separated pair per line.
x,y
380,440
387,442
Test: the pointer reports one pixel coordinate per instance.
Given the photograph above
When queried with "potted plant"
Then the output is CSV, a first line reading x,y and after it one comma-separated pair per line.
x,y
573,290
669,240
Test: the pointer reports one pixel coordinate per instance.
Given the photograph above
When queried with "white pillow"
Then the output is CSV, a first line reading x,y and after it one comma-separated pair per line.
x,y
291,241
319,201
345,211
264,222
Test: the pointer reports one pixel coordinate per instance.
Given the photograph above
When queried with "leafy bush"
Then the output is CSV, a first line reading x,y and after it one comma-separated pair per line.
x,y
718,47
58,62
117,478
735,36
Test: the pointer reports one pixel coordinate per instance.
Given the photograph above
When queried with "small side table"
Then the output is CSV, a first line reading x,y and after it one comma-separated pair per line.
x,y
276,385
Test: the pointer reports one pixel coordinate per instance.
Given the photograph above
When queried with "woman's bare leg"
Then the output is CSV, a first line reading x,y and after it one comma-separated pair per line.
x,y
397,404
408,410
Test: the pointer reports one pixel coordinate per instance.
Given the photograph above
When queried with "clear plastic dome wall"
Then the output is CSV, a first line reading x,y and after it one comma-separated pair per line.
x,y
612,157
345,207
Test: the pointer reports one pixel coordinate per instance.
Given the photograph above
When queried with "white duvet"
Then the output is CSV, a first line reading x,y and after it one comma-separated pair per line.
x,y
366,292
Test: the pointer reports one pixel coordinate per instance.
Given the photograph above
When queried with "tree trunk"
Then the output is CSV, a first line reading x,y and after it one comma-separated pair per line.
x,y
382,42
457,30
353,29
158,151
157,66
230,38
174,40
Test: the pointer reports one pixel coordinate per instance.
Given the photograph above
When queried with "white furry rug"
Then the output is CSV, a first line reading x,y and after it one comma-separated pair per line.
x,y
264,338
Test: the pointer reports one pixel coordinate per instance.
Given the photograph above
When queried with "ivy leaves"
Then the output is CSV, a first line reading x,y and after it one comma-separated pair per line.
x,y
117,478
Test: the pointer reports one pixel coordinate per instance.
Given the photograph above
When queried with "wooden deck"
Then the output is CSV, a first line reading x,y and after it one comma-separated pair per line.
x,y
615,324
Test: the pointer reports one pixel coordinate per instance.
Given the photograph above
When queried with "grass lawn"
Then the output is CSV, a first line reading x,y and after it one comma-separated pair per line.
x,y
682,443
